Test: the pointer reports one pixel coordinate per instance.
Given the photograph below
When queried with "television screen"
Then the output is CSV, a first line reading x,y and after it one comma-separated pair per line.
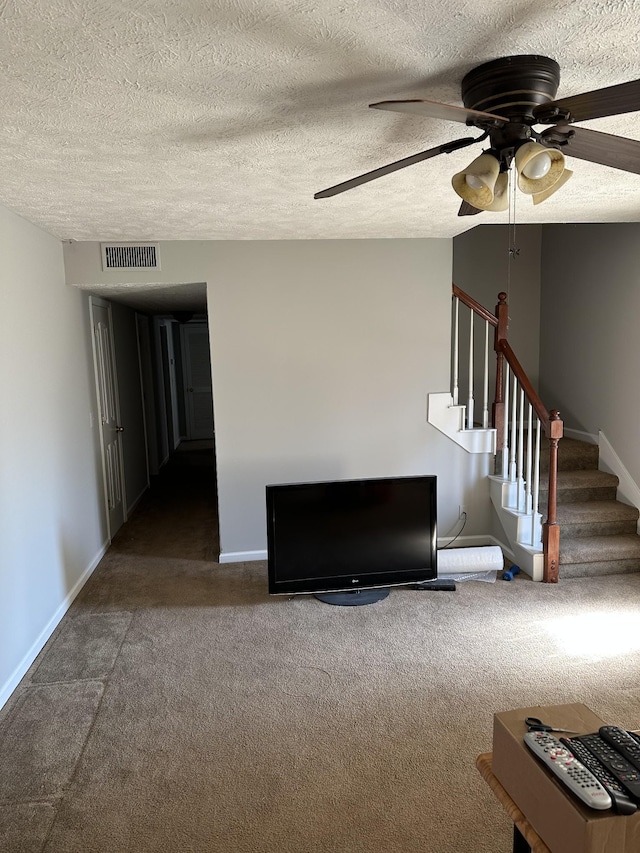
x,y
351,534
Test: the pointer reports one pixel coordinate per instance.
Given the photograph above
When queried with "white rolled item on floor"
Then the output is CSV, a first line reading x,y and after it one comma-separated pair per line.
x,y
455,561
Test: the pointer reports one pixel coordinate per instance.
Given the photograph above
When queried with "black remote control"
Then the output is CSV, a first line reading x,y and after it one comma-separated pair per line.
x,y
622,742
622,802
437,584
625,773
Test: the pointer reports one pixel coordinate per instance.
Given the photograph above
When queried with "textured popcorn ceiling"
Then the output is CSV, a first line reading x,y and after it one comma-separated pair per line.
x,y
154,298
195,119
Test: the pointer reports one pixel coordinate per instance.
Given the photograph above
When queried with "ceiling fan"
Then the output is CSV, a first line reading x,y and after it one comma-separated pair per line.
x,y
505,99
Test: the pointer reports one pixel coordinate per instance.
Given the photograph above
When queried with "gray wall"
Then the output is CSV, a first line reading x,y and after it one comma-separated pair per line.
x,y
52,522
590,341
481,267
323,354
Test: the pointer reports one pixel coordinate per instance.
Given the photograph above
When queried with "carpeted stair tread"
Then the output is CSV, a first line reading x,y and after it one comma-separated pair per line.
x,y
599,569
602,518
589,512
583,485
573,455
599,549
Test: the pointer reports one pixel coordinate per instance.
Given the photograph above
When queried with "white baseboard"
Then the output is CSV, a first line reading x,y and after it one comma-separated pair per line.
x,y
242,556
18,674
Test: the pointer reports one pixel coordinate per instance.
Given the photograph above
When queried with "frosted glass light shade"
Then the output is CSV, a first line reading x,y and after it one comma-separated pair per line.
x,y
539,197
538,167
500,194
476,183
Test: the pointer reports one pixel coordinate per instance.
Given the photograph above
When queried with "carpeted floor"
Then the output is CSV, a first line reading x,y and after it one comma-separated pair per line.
x,y
178,707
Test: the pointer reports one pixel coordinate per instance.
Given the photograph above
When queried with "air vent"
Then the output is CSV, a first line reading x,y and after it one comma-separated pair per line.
x,y
130,256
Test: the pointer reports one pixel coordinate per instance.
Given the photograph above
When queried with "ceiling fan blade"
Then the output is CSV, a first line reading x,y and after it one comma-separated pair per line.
x,y
446,148
619,152
433,109
467,209
613,100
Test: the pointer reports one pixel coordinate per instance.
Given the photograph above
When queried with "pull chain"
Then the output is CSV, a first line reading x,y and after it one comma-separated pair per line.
x,y
513,250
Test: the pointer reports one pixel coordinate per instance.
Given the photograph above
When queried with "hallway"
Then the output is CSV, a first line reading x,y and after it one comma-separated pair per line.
x,y
177,516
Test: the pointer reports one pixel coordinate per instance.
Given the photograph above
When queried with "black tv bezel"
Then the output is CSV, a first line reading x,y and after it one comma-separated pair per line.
x,y
381,580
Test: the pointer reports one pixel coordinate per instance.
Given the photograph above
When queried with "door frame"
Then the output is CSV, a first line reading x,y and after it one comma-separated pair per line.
x,y
144,335
103,303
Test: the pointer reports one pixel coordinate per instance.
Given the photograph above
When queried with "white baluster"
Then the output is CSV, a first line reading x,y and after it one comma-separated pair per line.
x,y
521,453
470,400
514,421
536,483
527,482
505,430
456,351
485,402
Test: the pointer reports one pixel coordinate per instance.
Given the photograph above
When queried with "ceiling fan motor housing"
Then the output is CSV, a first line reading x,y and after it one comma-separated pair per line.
x,y
512,86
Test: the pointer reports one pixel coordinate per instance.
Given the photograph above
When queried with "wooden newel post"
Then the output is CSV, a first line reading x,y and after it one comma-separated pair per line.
x,y
498,414
551,528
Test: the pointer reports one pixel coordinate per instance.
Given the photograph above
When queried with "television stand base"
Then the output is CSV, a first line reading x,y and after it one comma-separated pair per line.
x,y
352,597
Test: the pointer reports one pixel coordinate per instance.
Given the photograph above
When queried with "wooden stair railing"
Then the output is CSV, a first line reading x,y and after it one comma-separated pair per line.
x,y
549,420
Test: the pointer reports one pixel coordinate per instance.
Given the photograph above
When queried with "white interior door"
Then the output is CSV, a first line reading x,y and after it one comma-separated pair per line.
x,y
108,414
197,380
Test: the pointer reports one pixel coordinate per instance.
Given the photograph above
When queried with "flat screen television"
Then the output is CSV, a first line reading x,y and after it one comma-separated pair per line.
x,y
349,536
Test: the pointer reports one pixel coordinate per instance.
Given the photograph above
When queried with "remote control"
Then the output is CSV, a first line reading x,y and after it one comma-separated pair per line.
x,y
568,769
622,802
622,742
437,584
614,761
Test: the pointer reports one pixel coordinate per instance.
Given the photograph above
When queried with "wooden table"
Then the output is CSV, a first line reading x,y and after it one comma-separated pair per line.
x,y
525,840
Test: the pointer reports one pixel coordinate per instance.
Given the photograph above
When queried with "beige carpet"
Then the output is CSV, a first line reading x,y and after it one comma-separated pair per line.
x,y
180,708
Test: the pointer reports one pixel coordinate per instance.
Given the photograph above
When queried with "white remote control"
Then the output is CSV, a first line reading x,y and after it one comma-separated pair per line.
x,y
568,769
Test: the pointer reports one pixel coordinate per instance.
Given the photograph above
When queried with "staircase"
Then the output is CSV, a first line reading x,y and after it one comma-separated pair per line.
x,y
598,533
559,512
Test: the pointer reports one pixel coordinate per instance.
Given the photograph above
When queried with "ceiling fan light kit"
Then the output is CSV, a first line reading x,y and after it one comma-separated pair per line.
x,y
538,168
476,183
505,99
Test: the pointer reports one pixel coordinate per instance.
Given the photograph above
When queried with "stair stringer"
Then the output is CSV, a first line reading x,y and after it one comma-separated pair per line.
x,y
449,419
505,497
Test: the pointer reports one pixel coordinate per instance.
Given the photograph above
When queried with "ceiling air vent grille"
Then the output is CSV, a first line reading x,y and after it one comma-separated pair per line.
x,y
130,256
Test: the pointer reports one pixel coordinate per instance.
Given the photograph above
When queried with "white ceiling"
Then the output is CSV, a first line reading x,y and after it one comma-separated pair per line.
x,y
193,119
